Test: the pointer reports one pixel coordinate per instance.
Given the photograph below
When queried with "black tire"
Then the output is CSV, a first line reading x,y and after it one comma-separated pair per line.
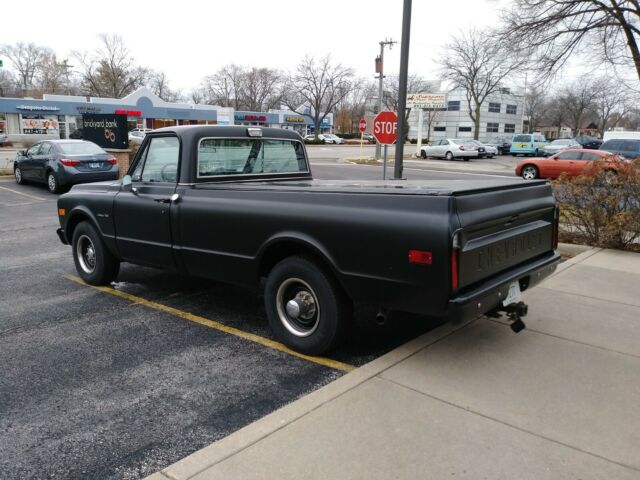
x,y
448,156
530,172
319,328
500,152
423,154
94,262
17,172
53,184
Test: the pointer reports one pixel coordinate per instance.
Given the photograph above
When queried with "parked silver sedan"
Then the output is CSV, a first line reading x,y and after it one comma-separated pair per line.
x,y
560,145
450,148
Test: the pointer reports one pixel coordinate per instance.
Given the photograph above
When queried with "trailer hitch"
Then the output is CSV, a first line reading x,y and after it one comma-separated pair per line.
x,y
514,312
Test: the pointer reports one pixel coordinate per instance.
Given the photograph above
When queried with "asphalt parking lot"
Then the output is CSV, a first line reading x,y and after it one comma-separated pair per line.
x,y
121,382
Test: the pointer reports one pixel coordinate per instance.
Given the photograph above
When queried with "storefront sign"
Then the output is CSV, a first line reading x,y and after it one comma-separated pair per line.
x,y
435,101
129,113
294,119
106,130
250,118
37,108
39,126
88,109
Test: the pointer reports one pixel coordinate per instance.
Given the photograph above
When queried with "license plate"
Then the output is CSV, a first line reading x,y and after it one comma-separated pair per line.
x,y
514,294
94,165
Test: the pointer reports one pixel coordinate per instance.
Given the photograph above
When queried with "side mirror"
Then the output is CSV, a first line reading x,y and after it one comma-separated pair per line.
x,y
22,153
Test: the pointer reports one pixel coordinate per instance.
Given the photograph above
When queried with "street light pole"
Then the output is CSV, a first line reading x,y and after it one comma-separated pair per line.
x,y
402,90
380,69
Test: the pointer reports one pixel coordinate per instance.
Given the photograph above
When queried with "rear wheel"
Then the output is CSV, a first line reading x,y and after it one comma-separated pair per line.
x,y
52,183
306,309
94,262
529,172
19,178
449,156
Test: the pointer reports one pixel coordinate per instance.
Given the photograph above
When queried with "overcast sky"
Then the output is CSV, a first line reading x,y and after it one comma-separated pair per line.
x,y
191,39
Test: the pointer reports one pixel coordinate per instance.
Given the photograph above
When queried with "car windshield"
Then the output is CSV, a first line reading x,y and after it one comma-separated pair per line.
x,y
80,148
522,138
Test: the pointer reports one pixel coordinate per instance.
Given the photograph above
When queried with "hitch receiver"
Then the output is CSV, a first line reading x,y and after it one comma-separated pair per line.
x,y
515,312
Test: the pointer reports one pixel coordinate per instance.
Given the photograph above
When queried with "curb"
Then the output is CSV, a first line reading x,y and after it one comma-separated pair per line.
x,y
247,436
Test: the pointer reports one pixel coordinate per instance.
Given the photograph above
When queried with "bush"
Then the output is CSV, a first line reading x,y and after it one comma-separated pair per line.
x,y
602,207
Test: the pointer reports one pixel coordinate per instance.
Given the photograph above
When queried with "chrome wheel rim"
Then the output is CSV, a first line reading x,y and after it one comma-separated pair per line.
x,y
528,173
86,253
18,175
51,181
298,307
449,156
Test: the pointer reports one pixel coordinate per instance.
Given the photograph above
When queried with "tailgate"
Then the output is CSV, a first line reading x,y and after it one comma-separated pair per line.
x,y
503,228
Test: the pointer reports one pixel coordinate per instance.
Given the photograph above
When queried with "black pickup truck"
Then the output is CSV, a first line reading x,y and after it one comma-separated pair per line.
x,y
239,205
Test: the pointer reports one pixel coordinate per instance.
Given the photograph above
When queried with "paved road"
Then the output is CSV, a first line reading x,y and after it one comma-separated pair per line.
x,y
123,382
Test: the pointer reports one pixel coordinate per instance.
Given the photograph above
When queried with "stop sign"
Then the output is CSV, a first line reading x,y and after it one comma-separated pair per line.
x,y
385,127
362,126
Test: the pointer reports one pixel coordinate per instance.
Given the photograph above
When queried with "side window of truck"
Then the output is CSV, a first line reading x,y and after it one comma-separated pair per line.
x,y
159,162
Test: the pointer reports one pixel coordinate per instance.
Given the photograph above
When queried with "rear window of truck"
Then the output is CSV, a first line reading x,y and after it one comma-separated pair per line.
x,y
239,156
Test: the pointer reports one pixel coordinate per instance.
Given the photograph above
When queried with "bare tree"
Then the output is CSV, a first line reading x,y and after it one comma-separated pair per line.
x,y
8,84
197,95
352,107
260,89
430,116
577,100
159,84
555,114
224,87
54,75
415,84
316,88
610,104
554,30
478,65
110,71
535,102
25,59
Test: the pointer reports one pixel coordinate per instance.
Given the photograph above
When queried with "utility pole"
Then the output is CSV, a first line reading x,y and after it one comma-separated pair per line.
x,y
380,71
402,90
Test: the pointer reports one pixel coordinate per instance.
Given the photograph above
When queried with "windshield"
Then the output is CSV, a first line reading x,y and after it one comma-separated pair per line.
x,y
80,148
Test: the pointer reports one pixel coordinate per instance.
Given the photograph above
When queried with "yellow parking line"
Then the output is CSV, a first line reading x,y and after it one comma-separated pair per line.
x,y
327,362
21,193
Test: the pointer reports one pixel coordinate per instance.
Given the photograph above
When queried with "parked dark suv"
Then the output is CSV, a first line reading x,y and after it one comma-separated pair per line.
x,y
627,148
588,142
61,163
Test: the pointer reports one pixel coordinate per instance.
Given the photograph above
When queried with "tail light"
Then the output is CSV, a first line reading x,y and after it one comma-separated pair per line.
x,y
554,232
112,160
67,162
455,252
461,147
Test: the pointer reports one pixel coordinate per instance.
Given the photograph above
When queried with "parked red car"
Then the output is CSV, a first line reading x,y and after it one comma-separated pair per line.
x,y
573,162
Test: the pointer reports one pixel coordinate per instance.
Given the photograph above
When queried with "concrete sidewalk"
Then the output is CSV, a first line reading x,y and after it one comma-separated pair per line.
x,y
559,400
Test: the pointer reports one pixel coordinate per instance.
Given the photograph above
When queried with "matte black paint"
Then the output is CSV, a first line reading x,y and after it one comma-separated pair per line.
x,y
229,230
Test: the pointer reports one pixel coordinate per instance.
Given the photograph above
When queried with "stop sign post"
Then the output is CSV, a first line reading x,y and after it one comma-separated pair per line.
x,y
385,129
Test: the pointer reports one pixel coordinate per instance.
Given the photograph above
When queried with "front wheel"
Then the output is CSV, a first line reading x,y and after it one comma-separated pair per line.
x,y
19,178
423,154
94,262
307,311
529,172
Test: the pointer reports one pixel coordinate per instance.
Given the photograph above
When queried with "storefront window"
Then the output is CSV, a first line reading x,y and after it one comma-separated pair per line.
x,y
40,124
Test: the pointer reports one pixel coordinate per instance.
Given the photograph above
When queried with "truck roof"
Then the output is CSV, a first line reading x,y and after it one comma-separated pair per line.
x,y
195,132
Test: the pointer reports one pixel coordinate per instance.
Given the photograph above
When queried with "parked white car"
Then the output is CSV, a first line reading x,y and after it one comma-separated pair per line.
x,y
560,145
331,138
449,149
311,136
137,135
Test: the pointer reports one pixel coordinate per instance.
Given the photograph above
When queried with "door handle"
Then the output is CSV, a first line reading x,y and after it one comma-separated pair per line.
x,y
173,198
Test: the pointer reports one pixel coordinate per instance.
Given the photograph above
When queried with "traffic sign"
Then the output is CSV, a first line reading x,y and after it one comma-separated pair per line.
x,y
434,101
362,126
385,128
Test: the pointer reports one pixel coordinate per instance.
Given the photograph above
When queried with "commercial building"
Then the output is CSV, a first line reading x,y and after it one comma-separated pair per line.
x,y
501,114
58,116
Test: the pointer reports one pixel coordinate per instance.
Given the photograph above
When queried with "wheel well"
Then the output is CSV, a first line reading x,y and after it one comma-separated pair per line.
x,y
73,223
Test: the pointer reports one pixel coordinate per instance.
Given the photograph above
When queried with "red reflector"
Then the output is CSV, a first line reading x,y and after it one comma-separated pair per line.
x,y
68,162
419,256
454,268
461,147
113,160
